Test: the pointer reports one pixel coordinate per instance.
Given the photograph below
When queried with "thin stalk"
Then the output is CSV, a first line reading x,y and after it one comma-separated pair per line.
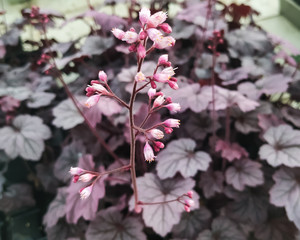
x,y
227,134
213,91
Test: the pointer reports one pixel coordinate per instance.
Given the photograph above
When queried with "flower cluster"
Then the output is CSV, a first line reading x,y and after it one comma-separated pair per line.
x,y
85,176
151,26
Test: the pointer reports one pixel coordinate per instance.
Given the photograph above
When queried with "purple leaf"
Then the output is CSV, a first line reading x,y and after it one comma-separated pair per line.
x,y
66,115
283,146
162,217
180,156
292,115
265,121
40,99
230,151
192,223
120,177
199,125
249,205
192,11
46,175
276,229
25,138
248,41
110,224
9,104
226,98
244,172
96,45
56,209
248,122
19,93
67,159
222,229
286,192
211,182
250,90
233,76
182,30
86,208
259,66
15,197
107,22
277,83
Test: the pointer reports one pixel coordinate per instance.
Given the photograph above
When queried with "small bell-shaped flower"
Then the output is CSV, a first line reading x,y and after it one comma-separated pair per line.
x,y
144,15
156,133
172,123
173,107
92,100
86,191
158,101
118,33
139,77
156,19
148,153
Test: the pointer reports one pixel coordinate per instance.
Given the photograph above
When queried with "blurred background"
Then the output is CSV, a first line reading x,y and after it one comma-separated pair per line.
x,y
280,17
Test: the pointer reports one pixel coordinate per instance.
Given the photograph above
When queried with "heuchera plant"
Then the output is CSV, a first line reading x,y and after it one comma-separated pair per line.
x,y
106,158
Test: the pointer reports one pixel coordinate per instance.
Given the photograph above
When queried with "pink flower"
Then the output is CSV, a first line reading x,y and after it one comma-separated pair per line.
x,y
156,133
190,194
140,77
86,177
164,61
144,15
130,37
173,85
141,51
168,130
173,107
76,170
171,122
118,33
143,35
165,42
154,34
102,76
86,192
159,77
148,153
169,71
151,93
156,19
158,101
186,208
189,202
92,100
166,27
159,144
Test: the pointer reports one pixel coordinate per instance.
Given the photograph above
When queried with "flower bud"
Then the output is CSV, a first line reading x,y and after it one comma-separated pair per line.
x,y
189,202
86,177
153,84
173,107
171,122
102,76
190,194
86,192
132,48
168,130
151,93
76,170
159,144
173,85
163,60
75,178
143,35
141,51
186,208
158,101
156,133
165,27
